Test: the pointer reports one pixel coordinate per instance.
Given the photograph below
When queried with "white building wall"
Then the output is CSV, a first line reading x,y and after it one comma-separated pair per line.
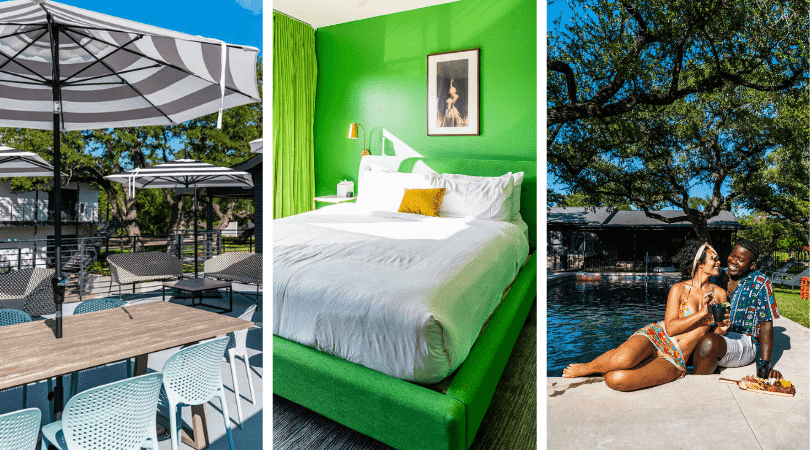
x,y
26,246
88,204
23,206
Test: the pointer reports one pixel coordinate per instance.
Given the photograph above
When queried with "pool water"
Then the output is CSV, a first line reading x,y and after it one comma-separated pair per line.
x,y
588,318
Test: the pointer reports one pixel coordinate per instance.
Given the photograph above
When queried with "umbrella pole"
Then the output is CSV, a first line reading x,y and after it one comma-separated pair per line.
x,y
195,232
56,281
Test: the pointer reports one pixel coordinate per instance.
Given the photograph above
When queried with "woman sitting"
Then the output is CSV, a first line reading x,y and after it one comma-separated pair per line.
x,y
657,353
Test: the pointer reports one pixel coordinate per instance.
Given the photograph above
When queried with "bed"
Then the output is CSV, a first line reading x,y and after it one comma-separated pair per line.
x,y
406,414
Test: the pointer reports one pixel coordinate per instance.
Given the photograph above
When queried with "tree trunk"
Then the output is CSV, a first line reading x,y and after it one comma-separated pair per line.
x,y
125,212
226,217
175,220
701,227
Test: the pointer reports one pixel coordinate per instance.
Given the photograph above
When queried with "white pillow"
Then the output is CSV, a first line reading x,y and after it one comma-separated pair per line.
x,y
383,191
518,182
483,198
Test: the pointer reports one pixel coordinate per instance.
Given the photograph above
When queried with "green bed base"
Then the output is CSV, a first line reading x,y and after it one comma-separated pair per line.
x,y
401,414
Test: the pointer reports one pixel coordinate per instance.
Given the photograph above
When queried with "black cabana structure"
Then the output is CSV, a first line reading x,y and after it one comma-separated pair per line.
x,y
584,237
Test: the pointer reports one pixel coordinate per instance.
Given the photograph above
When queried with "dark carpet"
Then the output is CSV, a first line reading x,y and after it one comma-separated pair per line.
x,y
510,421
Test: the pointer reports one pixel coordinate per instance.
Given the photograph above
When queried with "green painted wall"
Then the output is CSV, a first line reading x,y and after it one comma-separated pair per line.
x,y
374,72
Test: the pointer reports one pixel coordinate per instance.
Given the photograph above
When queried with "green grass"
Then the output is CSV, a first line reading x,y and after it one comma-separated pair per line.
x,y
792,306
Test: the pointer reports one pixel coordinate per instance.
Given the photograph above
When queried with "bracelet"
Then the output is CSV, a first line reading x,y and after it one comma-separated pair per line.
x,y
763,366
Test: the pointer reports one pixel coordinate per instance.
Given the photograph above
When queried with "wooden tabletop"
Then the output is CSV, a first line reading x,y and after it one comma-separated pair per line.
x,y
30,352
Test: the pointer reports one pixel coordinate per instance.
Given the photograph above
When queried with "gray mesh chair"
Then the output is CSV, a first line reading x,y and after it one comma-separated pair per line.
x,y
98,304
19,429
13,317
116,416
28,290
139,267
193,376
238,267
237,346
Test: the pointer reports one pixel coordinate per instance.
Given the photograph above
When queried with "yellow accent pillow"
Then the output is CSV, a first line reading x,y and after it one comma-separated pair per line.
x,y
422,201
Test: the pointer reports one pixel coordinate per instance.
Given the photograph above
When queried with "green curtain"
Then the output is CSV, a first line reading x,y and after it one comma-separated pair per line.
x,y
295,73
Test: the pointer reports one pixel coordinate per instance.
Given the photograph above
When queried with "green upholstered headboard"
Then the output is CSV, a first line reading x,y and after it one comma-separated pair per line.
x,y
476,167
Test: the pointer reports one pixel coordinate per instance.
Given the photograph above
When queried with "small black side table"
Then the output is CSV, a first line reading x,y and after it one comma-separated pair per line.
x,y
199,285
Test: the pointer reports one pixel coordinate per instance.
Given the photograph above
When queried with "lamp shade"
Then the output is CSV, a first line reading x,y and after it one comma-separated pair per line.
x,y
353,131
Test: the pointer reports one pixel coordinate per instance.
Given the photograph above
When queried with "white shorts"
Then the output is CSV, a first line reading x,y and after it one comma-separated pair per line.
x,y
740,350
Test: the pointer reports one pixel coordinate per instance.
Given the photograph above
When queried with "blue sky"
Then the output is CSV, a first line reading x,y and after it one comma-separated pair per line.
x,y
233,21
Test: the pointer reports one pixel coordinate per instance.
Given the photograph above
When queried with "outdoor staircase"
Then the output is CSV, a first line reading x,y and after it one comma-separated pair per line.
x,y
77,257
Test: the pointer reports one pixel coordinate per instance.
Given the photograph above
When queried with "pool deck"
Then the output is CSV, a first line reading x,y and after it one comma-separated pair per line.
x,y
695,412
553,277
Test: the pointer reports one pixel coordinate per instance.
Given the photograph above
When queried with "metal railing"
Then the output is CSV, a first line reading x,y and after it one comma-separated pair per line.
x,y
80,253
30,212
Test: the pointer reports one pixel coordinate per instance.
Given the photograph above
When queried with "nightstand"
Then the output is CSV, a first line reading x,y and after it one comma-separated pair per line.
x,y
332,199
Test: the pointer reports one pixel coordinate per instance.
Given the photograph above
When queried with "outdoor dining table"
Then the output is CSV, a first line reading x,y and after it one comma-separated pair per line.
x,y
31,352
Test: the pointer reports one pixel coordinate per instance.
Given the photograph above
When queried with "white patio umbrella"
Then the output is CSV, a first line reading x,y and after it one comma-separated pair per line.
x,y
17,163
257,146
183,173
65,68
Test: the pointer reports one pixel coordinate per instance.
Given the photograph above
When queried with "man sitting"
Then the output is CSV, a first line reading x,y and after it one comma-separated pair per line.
x,y
753,309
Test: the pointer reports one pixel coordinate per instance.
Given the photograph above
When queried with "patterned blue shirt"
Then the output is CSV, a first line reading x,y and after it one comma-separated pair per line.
x,y
752,302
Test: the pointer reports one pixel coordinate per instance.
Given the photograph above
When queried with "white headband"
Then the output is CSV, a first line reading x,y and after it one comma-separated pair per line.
x,y
697,256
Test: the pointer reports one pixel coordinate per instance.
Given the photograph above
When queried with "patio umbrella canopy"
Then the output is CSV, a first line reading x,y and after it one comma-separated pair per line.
x,y
112,72
17,163
183,173
64,68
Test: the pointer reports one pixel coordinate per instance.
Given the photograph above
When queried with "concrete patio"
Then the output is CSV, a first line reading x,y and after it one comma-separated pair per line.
x,y
695,412
248,437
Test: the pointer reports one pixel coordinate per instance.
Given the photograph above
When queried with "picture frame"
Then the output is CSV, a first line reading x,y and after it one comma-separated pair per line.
x,y
453,93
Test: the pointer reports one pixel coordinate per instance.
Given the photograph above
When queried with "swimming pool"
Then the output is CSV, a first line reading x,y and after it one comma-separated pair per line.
x,y
587,318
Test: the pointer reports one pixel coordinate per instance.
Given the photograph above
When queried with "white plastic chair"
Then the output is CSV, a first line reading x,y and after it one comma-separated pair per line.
x,y
19,429
98,304
116,416
193,376
237,346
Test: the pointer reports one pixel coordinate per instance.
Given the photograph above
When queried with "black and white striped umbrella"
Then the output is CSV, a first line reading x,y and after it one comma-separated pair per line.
x,y
64,68
112,72
17,163
182,173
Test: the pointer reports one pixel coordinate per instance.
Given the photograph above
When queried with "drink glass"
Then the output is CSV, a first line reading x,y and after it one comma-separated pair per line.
x,y
719,313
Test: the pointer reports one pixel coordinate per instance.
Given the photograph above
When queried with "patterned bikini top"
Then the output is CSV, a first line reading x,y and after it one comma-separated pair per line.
x,y
685,311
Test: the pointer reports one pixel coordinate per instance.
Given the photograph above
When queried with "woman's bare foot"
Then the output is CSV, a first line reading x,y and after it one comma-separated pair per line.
x,y
576,370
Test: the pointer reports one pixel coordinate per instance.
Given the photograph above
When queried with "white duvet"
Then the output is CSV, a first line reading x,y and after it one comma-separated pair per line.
x,y
403,294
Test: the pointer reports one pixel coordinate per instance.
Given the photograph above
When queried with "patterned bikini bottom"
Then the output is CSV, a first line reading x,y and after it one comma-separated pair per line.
x,y
667,347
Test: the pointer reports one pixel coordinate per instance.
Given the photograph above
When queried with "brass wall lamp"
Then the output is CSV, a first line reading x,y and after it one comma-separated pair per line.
x,y
353,135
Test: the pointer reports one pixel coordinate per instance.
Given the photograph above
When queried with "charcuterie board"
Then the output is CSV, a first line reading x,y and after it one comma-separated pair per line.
x,y
755,387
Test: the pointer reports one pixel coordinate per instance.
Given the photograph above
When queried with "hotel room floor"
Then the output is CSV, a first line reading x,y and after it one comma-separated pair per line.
x,y
510,421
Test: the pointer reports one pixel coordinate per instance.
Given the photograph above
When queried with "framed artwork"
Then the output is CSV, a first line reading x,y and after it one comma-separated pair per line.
x,y
453,93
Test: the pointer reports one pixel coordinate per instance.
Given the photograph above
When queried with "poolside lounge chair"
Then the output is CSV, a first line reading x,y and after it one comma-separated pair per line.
x,y
782,270
765,264
28,290
791,280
